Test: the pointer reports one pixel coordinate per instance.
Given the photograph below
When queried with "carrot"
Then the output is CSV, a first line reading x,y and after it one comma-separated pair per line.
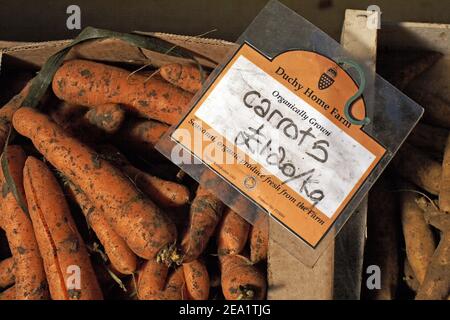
x,y
204,215
7,270
155,283
151,280
240,279
436,107
136,219
118,252
106,117
410,277
232,233
436,285
259,239
444,192
7,111
141,135
382,239
164,193
30,281
419,240
429,138
197,280
60,244
184,76
419,168
8,294
91,84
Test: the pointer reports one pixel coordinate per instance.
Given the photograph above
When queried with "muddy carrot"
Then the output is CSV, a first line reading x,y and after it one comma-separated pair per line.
x,y
419,239
164,193
436,285
232,233
197,280
240,279
30,280
410,277
118,252
204,215
7,271
419,168
69,271
259,239
444,192
91,84
136,219
436,107
155,283
141,135
7,111
106,117
184,76
8,294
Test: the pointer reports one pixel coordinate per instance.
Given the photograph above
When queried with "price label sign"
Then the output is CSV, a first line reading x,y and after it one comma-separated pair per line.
x,y
275,129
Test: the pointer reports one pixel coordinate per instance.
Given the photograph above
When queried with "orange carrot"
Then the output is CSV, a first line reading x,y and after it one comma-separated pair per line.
x,y
197,280
136,219
240,279
30,281
155,284
151,280
259,239
7,111
184,76
141,135
8,294
106,117
66,261
118,252
204,215
91,84
7,271
164,193
232,233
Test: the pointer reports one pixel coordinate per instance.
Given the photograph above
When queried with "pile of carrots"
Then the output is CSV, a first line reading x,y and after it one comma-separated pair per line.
x,y
409,207
90,210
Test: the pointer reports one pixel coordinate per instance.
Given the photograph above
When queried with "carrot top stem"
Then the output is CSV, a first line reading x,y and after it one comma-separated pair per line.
x,y
170,255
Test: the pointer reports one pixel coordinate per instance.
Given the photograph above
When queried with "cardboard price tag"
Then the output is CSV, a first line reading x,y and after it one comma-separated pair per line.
x,y
275,129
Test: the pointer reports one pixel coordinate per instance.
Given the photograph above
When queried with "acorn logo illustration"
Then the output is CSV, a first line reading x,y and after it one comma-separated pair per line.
x,y
327,78
250,182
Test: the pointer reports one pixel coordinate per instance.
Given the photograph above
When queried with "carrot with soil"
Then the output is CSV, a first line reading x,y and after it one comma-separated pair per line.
x,y
59,242
136,219
417,167
419,240
240,279
185,76
118,252
259,239
7,270
91,84
232,233
197,280
204,215
8,294
30,280
155,282
106,117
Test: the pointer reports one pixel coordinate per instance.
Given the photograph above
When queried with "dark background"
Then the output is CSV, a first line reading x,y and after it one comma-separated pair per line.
x,y
26,20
